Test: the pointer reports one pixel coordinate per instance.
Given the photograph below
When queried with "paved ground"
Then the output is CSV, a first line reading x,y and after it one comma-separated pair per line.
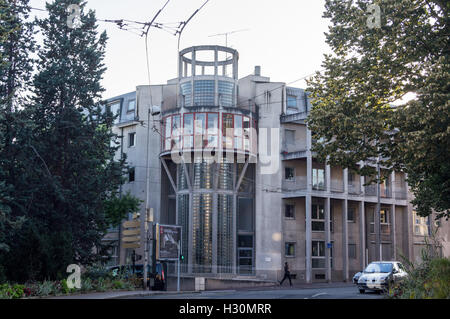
x,y
300,291
322,292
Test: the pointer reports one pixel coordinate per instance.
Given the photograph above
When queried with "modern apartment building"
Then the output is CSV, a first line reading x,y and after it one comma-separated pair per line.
x,y
229,159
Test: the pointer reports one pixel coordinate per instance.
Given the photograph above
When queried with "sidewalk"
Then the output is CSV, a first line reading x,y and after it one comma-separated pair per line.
x,y
118,294
316,285
141,293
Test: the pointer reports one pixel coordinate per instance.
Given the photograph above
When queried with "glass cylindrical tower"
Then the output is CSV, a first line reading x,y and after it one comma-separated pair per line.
x,y
208,150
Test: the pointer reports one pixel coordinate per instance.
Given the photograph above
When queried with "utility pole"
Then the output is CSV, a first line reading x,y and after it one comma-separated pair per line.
x,y
378,213
178,265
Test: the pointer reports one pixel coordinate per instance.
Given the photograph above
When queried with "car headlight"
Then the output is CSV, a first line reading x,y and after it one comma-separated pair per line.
x,y
383,278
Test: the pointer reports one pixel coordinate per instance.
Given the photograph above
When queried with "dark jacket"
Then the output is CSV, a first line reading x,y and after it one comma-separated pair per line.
x,y
286,269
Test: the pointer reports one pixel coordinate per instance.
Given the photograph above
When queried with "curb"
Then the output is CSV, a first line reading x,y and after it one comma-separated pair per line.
x,y
143,294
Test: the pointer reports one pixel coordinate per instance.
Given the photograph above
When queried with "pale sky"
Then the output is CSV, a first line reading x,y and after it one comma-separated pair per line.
x,y
285,37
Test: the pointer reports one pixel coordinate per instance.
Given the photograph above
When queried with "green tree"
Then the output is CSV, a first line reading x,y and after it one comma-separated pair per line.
x,y
75,174
16,46
370,69
117,208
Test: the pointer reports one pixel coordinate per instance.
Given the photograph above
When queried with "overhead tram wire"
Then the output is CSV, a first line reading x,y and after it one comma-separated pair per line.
x,y
128,25
178,32
147,51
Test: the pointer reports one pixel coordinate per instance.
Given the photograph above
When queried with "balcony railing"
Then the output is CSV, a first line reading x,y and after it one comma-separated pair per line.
x,y
293,117
337,186
354,189
297,184
401,194
370,190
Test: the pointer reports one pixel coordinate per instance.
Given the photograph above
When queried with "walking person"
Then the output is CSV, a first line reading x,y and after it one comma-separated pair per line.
x,y
287,274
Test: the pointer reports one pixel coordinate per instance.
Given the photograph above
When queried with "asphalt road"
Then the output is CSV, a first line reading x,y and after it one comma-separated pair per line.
x,y
347,292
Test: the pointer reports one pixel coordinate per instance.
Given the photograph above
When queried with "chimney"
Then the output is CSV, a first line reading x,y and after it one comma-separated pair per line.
x,y
258,70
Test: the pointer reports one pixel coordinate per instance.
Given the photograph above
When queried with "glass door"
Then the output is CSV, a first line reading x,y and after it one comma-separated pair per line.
x,y
245,254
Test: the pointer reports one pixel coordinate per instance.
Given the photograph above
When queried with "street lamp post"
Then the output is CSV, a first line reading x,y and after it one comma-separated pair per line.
x,y
378,214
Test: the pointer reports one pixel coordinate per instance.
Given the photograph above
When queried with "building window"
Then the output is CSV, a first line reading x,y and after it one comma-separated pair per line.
x,y
200,139
176,131
204,92
289,211
318,218
227,130
213,129
384,216
245,214
290,137
318,254
351,214
385,187
167,132
186,92
289,173
421,225
352,251
112,255
131,106
350,178
131,139
172,132
318,182
247,133
226,90
238,123
291,101
384,220
188,130
131,175
289,249
371,218
115,110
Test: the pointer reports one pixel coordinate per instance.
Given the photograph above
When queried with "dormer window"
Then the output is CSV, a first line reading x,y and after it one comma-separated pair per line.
x,y
131,106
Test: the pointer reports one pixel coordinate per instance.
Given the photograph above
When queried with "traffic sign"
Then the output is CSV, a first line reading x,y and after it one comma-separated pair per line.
x,y
131,239
131,245
131,224
131,232
130,236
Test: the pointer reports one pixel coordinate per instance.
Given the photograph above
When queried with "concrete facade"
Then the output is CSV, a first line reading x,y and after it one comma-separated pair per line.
x,y
298,205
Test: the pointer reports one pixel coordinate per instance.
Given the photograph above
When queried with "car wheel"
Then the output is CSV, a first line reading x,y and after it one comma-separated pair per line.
x,y
361,291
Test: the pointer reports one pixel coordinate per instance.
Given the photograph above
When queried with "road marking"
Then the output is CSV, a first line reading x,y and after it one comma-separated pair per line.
x,y
319,294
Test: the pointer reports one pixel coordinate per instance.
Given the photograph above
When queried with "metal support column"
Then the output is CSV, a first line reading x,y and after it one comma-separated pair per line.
x,y
327,240
344,240
362,235
308,238
393,233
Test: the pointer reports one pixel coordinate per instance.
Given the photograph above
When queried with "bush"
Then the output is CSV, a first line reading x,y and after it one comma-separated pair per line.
x,y
4,288
11,292
45,288
100,285
118,284
86,284
17,291
429,280
96,272
103,282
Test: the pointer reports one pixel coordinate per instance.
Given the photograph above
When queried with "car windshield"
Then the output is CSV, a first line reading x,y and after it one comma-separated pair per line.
x,y
378,268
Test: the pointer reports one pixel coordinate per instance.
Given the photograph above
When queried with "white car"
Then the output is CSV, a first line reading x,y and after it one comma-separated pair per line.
x,y
380,275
